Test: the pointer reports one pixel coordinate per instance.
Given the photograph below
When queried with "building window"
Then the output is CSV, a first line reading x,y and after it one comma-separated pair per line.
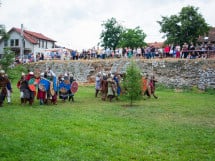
x,y
16,42
5,43
46,45
53,45
39,43
12,42
42,44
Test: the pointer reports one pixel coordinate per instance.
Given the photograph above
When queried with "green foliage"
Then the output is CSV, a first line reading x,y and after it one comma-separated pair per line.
x,y
7,59
2,30
185,27
132,38
110,35
210,91
114,35
3,33
15,72
132,82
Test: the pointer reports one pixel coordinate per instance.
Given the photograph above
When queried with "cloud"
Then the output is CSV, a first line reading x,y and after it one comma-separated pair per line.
x,y
77,23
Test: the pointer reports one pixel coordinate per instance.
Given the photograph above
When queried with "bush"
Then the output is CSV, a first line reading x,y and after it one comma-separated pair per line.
x,y
210,91
15,72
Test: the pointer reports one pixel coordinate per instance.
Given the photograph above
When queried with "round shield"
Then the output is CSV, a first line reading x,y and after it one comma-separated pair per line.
x,y
63,90
74,87
44,83
31,85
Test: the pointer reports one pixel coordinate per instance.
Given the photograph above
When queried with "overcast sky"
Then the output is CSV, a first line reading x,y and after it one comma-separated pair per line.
x,y
76,24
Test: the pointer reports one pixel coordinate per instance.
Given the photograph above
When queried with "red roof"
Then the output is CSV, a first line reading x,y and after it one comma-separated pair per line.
x,y
210,36
156,44
32,36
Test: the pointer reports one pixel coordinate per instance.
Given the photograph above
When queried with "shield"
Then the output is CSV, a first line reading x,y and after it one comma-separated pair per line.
x,y
44,84
74,87
64,87
63,90
31,85
52,89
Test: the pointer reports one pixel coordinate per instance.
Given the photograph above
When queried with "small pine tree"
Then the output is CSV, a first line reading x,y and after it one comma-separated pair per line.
x,y
132,82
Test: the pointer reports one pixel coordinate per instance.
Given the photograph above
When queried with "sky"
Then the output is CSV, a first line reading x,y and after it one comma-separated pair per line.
x,y
77,24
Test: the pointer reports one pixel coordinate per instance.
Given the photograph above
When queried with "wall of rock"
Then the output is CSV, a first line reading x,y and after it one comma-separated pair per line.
x,y
176,73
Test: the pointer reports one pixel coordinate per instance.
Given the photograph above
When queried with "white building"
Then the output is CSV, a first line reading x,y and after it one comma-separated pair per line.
x,y
34,43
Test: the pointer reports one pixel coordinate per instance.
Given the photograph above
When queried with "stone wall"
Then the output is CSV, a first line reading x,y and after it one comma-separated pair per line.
x,y
176,73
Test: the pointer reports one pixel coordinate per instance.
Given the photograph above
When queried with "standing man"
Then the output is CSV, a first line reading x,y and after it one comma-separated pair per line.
x,y
3,87
111,87
152,86
145,87
104,87
9,89
71,79
98,84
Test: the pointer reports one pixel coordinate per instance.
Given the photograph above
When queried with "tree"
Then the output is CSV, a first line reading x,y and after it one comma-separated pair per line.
x,y
185,27
132,38
110,35
3,33
132,82
7,59
8,56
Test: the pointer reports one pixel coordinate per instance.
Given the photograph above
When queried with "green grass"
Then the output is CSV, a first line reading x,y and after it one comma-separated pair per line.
x,y
177,126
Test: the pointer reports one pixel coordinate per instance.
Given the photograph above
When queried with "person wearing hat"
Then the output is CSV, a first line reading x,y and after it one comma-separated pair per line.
x,y
3,87
152,82
22,85
104,86
111,87
29,75
145,86
116,78
98,84
9,89
71,79
32,87
52,92
41,91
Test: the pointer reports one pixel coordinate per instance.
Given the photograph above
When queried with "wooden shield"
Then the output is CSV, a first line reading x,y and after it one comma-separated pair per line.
x,y
74,87
52,89
63,90
31,85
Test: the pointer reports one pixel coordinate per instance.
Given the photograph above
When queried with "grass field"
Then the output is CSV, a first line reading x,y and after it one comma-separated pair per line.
x,y
177,126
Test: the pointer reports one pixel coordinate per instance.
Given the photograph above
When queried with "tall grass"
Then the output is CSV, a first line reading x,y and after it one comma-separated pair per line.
x,y
177,126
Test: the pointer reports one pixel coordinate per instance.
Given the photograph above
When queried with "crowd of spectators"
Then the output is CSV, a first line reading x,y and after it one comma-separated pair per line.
x,y
149,52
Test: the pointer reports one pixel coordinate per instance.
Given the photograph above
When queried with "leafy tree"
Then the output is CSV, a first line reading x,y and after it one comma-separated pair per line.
x,y
2,30
132,38
185,27
3,33
8,56
110,35
132,82
7,59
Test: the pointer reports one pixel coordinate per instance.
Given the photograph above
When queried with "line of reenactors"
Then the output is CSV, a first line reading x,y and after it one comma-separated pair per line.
x,y
45,86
